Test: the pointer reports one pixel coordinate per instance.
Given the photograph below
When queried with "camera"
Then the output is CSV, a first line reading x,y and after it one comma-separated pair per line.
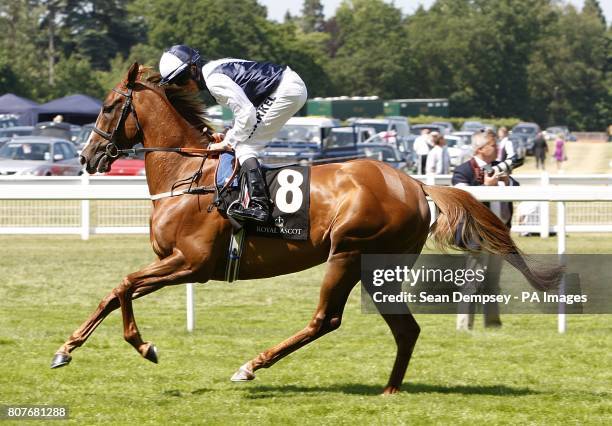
x,y
503,167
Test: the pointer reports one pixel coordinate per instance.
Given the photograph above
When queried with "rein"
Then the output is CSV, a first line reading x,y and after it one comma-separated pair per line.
x,y
113,151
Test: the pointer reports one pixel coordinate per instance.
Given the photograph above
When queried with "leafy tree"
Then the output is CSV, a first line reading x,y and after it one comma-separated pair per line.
x,y
313,18
593,7
98,30
371,57
568,73
75,75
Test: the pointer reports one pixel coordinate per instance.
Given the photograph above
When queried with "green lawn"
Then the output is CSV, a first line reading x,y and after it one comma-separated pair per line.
x,y
523,373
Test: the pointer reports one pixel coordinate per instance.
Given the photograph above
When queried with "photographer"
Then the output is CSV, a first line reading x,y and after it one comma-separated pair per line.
x,y
483,169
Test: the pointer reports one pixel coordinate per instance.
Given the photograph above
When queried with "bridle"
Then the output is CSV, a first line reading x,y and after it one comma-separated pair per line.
x,y
112,150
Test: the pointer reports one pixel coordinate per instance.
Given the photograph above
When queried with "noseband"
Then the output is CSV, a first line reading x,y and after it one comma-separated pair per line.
x,y
128,108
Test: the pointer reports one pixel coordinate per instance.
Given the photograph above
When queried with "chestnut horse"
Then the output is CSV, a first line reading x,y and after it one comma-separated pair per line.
x,y
359,207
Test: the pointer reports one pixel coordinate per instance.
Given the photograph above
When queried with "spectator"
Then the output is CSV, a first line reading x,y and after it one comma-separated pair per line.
x,y
422,145
505,147
58,118
540,148
560,155
472,173
438,160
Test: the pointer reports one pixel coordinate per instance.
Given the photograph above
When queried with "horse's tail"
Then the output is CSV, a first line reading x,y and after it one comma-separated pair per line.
x,y
478,224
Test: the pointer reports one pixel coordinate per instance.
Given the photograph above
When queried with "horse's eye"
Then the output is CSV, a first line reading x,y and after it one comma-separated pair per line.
x,y
107,108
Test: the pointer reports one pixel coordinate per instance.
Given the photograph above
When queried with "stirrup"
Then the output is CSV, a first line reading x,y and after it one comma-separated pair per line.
x,y
250,213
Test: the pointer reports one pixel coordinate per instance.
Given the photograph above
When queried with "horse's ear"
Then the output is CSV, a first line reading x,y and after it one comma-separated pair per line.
x,y
133,74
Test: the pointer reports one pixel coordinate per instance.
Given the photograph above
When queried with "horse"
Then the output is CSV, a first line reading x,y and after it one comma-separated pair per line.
x,y
358,207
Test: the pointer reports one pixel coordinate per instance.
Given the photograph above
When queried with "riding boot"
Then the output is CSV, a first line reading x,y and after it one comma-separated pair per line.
x,y
258,208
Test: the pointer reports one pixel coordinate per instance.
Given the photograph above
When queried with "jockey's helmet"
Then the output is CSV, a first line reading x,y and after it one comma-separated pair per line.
x,y
176,62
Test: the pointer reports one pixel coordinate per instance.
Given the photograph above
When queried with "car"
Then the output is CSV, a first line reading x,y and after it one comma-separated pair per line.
x,y
305,140
466,136
472,126
53,129
527,132
447,125
475,126
75,130
385,153
9,132
551,133
8,120
459,150
134,165
397,124
349,134
418,128
519,145
404,146
39,156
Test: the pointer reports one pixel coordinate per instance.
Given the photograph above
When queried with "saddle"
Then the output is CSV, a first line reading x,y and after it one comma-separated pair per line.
x,y
289,189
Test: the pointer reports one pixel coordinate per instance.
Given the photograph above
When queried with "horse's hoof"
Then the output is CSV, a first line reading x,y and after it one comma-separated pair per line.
x,y
244,374
151,354
60,359
391,390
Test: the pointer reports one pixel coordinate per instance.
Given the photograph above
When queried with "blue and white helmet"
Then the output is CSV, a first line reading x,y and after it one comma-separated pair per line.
x,y
176,60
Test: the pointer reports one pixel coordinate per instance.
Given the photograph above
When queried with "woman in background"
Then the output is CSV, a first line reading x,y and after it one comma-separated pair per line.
x,y
560,155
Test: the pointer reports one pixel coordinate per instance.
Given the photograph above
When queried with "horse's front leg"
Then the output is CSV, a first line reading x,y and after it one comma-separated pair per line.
x,y
62,357
171,270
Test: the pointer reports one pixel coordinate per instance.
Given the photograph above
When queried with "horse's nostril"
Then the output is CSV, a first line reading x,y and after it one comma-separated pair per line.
x,y
83,160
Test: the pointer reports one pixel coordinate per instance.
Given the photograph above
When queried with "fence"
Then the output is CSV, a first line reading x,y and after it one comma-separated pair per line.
x,y
108,204
84,193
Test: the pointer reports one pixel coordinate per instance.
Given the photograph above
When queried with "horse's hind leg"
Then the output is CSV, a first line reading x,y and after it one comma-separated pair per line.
x,y
406,332
341,276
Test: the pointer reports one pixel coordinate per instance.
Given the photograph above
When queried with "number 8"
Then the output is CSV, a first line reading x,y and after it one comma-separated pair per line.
x,y
285,187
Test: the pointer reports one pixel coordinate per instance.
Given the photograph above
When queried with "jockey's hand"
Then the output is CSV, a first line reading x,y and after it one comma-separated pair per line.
x,y
220,146
218,137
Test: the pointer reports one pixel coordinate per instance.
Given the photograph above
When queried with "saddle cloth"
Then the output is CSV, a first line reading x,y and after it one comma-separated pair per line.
x,y
289,189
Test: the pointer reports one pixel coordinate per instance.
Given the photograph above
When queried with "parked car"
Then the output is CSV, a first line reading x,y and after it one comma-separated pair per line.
x,y
386,153
519,145
551,133
52,129
348,134
404,146
9,132
447,125
418,128
133,165
39,156
307,140
472,126
398,125
8,120
527,132
458,150
465,136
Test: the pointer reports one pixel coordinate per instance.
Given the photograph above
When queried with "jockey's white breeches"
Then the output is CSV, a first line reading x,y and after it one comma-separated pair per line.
x,y
273,113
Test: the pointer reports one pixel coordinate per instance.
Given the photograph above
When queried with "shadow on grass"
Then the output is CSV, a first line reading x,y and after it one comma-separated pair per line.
x,y
264,391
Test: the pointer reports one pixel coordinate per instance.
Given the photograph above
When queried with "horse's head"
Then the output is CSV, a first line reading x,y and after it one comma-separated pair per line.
x,y
117,126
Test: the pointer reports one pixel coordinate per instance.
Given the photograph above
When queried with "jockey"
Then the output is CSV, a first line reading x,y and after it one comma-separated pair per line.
x,y
262,96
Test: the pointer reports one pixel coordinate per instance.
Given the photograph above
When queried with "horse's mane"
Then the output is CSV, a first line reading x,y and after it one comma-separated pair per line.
x,y
187,103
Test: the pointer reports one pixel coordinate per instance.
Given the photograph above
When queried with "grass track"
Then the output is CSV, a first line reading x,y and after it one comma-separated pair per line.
x,y
522,373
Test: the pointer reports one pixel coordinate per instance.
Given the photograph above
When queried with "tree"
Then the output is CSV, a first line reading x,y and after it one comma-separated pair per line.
x,y
98,30
569,81
593,7
371,57
313,18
